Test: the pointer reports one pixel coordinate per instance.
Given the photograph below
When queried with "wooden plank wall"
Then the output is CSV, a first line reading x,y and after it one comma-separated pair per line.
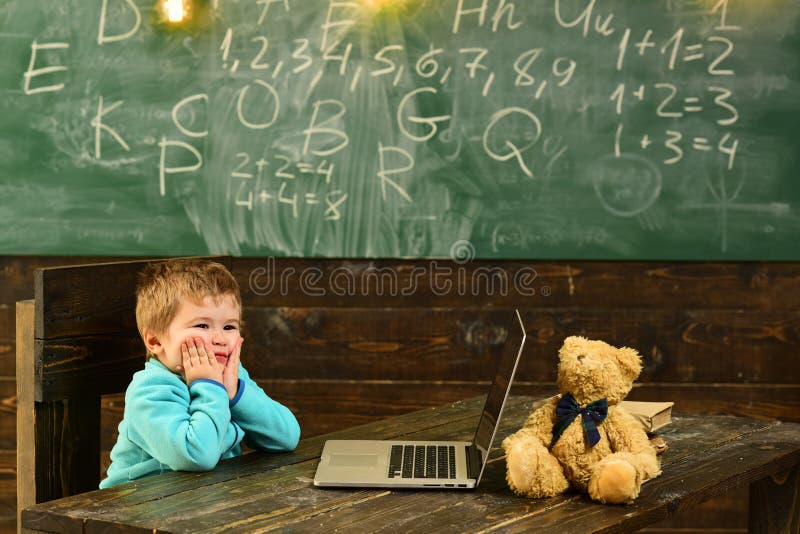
x,y
345,342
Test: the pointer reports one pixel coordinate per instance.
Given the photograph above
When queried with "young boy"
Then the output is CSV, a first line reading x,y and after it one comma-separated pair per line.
x,y
193,402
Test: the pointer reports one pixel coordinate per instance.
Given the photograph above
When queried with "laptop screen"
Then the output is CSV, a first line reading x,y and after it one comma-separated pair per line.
x,y
493,408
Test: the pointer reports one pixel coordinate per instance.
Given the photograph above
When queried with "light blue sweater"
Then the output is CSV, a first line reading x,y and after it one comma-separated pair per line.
x,y
170,427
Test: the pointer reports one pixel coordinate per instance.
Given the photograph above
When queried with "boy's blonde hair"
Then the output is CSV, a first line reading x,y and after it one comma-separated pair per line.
x,y
162,285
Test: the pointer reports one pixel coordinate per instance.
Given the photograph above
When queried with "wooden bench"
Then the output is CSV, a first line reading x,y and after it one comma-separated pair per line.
x,y
76,341
260,492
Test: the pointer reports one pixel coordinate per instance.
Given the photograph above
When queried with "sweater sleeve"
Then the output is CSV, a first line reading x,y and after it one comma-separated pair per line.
x,y
184,428
268,425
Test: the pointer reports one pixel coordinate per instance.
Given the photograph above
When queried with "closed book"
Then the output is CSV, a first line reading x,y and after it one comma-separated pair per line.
x,y
651,415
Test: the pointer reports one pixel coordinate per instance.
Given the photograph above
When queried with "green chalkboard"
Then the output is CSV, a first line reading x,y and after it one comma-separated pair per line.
x,y
611,129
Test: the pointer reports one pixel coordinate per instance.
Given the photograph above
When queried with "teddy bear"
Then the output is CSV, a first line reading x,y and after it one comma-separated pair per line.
x,y
582,437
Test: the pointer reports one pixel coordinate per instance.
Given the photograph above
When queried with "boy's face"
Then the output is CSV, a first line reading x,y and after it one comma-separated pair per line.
x,y
215,322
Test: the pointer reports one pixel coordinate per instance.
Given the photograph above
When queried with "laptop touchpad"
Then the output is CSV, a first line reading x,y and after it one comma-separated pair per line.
x,y
353,460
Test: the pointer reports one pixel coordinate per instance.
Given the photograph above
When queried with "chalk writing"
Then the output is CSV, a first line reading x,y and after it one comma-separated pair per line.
x,y
32,72
355,127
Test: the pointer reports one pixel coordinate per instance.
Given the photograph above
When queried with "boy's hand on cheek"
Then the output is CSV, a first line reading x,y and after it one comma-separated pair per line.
x,y
198,362
230,376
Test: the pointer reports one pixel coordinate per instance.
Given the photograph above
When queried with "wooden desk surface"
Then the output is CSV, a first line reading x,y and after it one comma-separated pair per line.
x,y
260,492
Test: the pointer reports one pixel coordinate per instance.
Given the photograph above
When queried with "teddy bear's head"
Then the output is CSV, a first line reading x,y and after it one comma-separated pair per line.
x,y
591,370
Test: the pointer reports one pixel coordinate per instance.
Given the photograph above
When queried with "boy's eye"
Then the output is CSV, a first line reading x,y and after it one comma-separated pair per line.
x,y
201,325
231,327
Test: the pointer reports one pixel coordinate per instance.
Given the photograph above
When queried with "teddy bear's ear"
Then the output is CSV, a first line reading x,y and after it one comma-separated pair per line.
x,y
630,362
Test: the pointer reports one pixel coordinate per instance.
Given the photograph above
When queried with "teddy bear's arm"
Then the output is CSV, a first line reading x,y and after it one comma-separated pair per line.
x,y
542,420
625,434
531,470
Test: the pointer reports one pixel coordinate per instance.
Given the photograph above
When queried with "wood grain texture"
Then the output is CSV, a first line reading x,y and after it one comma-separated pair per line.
x,y
67,447
87,365
69,301
16,273
260,491
8,414
770,500
328,406
462,412
7,341
601,285
389,343
725,513
325,406
8,495
26,431
364,344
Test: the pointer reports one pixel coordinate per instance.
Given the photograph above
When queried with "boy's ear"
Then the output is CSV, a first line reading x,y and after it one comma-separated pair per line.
x,y
152,341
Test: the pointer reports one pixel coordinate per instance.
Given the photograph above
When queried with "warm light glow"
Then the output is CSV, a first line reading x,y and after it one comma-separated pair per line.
x,y
174,10
378,5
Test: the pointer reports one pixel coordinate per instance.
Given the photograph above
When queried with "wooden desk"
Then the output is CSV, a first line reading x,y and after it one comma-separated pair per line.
x,y
260,492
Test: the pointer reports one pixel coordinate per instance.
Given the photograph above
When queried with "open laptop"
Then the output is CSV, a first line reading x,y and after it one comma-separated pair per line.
x,y
425,464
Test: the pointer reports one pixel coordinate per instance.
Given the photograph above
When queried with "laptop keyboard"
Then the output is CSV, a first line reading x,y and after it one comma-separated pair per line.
x,y
422,461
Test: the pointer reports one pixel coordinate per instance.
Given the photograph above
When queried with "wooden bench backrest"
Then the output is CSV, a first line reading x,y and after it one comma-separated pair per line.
x,y
76,340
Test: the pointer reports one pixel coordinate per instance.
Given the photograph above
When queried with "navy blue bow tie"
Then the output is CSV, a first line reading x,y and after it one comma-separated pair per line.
x,y
568,409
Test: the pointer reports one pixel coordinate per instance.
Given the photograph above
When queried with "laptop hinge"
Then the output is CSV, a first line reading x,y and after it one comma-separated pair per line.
x,y
474,461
